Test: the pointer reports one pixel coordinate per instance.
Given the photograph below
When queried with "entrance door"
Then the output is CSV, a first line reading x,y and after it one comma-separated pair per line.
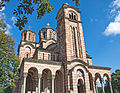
x,y
80,86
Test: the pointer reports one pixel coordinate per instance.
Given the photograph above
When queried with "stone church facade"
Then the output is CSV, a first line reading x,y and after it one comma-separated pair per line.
x,y
58,63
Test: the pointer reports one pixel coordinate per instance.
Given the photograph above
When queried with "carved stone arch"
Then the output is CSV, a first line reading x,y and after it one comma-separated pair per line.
x,y
85,69
50,42
59,81
32,67
90,80
29,45
97,75
80,61
46,80
105,74
32,79
106,83
42,69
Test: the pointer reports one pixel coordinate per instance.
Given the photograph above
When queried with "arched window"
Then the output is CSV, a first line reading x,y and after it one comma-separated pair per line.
x,y
70,16
27,56
24,36
44,35
90,81
53,57
43,56
75,44
74,17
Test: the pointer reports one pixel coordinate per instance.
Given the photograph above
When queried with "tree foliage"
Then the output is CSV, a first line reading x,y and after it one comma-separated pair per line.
x,y
8,61
116,81
26,7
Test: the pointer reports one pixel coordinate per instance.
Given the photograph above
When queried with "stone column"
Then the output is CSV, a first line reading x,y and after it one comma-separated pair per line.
x,y
102,84
96,87
39,79
94,91
110,86
24,82
53,82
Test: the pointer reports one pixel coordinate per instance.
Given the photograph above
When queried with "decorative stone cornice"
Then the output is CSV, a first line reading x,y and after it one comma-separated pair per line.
x,y
42,61
76,21
98,67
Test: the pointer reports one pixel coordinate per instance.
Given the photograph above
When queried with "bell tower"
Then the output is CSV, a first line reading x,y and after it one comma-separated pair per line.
x,y
70,34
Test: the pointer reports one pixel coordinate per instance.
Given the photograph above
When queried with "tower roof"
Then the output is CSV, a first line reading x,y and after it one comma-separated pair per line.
x,y
46,28
28,30
66,5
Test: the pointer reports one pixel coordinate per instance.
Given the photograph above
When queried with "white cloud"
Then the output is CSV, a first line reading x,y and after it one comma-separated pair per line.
x,y
115,6
114,27
117,18
3,15
3,8
8,29
13,20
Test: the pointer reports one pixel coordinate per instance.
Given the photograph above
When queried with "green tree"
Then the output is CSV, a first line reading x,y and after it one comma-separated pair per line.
x,y
116,81
99,89
8,61
107,87
26,7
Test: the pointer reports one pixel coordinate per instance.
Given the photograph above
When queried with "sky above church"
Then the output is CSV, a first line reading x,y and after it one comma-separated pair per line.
x,y
101,26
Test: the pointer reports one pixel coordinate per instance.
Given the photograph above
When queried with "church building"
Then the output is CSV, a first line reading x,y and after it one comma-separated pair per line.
x,y
59,63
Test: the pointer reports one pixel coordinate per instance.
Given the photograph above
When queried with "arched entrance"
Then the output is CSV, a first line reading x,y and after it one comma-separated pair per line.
x,y
106,83
32,80
98,83
58,82
80,86
46,85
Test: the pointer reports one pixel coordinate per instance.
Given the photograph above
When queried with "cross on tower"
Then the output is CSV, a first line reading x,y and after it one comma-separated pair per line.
x,y
48,24
29,27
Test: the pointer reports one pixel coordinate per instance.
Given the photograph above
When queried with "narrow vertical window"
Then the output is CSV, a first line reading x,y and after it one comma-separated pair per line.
x,y
44,35
48,56
27,55
53,57
43,56
72,15
24,36
75,45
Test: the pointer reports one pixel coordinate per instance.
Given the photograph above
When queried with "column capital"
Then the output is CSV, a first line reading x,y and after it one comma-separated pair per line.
x,y
25,75
53,76
39,75
110,80
102,80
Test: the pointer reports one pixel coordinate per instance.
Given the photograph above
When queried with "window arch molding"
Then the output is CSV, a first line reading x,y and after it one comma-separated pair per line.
x,y
74,14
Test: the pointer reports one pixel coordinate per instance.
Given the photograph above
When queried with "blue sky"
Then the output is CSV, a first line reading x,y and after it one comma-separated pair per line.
x,y
101,26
